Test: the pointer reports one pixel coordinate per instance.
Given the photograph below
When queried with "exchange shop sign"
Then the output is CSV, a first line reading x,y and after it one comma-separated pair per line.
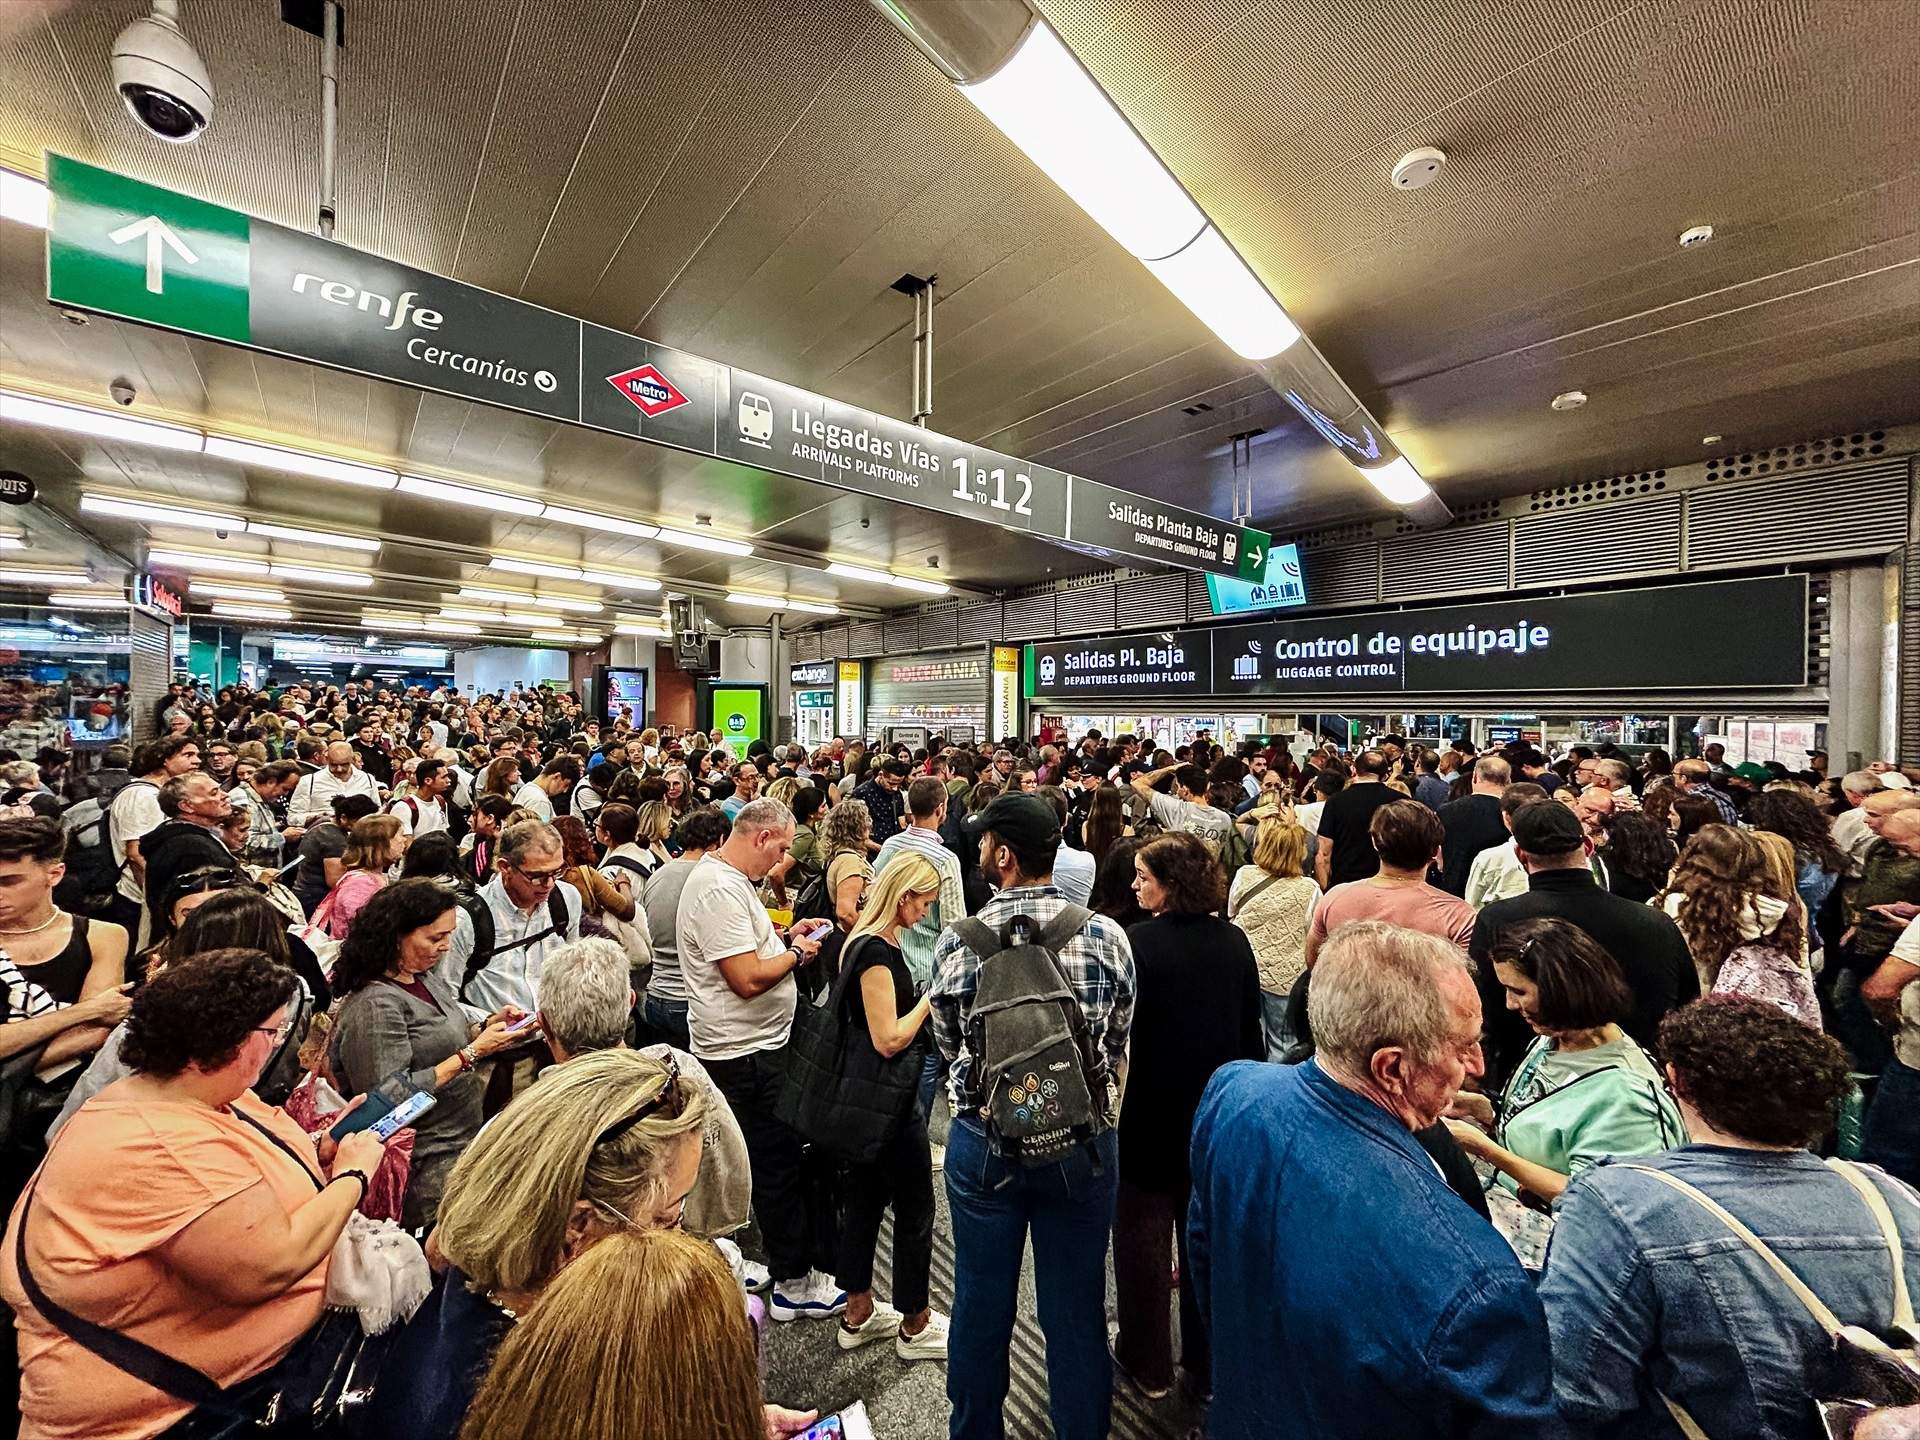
x,y
123,247
1721,635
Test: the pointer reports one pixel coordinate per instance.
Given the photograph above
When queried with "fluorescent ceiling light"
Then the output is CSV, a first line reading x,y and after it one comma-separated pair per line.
x,y
28,410
657,632
458,612
813,607
49,578
237,592
1049,106
859,572
189,560
615,581
925,587
564,637
765,602
471,496
587,520
23,199
450,627
525,617
82,600
505,597
254,612
313,537
347,579
1399,482
534,567
160,514
704,542
1216,285
300,462
13,542
567,602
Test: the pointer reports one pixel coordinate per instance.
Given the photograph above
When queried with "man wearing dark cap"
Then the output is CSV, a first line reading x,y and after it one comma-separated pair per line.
x,y
1068,1204
1556,853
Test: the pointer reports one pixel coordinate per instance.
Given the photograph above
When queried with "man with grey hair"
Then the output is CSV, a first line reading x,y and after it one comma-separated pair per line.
x,y
740,996
1850,832
586,1001
533,915
1375,1302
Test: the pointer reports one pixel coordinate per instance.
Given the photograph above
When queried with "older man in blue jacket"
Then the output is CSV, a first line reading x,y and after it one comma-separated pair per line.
x,y
1357,1296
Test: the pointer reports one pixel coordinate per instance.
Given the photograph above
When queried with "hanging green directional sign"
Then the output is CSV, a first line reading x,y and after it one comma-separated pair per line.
x,y
126,248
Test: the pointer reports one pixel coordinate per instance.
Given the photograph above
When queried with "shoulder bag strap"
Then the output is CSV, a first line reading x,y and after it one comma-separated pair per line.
x,y
978,936
1883,1217
282,1146
1071,920
1251,896
137,1358
1817,1308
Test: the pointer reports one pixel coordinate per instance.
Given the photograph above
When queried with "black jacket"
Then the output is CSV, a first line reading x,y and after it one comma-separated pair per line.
x,y
1645,943
175,848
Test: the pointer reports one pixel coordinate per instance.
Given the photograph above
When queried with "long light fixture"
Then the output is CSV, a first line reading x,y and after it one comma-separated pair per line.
x,y
588,520
1398,482
615,581
716,543
567,602
190,561
656,632
925,587
450,627
472,497
331,539
51,578
764,602
102,424
322,575
550,568
885,577
300,462
23,199
236,592
1044,101
157,514
86,600
13,542
487,592
253,612
813,607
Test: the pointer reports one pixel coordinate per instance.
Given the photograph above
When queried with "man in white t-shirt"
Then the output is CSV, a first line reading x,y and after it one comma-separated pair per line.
x,y
560,775
1187,808
312,799
135,813
424,810
740,998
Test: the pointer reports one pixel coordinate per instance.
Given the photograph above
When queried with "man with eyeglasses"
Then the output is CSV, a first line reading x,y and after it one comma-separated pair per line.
x,y
195,810
533,915
312,799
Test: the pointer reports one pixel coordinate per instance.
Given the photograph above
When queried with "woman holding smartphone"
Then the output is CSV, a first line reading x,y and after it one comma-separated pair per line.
x,y
400,1029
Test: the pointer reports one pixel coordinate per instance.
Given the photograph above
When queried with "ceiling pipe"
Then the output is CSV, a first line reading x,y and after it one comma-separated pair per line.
x,y
973,44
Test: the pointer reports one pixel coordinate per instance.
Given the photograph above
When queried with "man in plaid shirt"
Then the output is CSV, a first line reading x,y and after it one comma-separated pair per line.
x,y
1068,1204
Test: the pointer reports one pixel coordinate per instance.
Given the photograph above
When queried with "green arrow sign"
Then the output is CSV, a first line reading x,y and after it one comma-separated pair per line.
x,y
123,247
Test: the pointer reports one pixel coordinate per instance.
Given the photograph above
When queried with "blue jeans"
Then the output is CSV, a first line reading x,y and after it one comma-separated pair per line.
x,y
930,1073
1069,1209
1273,1019
668,1020
1891,1137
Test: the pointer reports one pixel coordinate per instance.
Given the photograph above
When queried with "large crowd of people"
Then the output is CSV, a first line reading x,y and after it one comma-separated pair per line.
x,y
1404,1090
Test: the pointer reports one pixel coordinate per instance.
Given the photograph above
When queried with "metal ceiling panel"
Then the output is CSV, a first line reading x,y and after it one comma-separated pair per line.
x,y
1638,537
1822,513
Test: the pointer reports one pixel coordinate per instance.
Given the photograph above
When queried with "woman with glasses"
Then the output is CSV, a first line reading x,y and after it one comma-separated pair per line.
x,y
400,1029
608,1142
196,1218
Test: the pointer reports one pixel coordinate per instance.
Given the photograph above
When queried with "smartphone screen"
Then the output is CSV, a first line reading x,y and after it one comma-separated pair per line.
x,y
849,1424
523,1023
363,1115
403,1114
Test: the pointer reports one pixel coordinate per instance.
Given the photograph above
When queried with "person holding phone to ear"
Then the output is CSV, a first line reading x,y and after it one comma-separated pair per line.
x,y
400,1029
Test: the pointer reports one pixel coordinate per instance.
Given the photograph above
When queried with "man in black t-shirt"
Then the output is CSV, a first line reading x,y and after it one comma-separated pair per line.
x,y
1346,843
1473,823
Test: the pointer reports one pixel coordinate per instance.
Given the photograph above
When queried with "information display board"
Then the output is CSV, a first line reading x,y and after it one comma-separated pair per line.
x,y
1717,635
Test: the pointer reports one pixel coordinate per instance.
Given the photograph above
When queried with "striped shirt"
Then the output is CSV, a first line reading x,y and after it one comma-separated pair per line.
x,y
1098,964
917,944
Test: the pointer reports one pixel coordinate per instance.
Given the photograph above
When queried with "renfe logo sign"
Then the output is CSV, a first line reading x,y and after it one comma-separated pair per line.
x,y
647,388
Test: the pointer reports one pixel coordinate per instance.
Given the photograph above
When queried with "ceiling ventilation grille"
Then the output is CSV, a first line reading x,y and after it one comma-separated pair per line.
x,y
1588,492
1642,536
1807,454
1086,610
940,629
867,639
806,644
1031,618
1343,577
1348,534
903,636
980,623
1839,511
1151,601
1444,562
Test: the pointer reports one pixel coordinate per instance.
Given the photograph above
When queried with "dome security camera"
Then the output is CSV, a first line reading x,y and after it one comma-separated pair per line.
x,y
161,76
122,391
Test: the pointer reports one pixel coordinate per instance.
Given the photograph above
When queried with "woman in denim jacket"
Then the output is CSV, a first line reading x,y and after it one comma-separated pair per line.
x,y
1651,1299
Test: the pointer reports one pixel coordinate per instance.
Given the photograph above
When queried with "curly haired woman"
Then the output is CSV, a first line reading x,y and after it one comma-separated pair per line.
x,y
1745,928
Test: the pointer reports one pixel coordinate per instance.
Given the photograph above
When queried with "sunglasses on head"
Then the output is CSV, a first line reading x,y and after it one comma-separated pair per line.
x,y
669,1102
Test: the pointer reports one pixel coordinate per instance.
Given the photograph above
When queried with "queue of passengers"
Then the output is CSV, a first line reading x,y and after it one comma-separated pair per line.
x,y
1411,1092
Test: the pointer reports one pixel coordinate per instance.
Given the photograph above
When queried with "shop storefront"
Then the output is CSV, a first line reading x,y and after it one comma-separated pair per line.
x,y
814,686
957,693
1638,667
66,680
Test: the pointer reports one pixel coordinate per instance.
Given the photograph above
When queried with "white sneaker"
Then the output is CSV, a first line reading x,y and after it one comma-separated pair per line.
x,y
939,1157
811,1297
883,1324
929,1344
754,1277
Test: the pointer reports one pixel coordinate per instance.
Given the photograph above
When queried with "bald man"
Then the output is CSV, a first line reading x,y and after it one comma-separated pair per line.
x,y
1850,831
312,799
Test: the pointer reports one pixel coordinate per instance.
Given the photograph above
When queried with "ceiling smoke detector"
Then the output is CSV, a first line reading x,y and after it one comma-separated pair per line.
x,y
1711,439
1569,399
1419,168
1695,235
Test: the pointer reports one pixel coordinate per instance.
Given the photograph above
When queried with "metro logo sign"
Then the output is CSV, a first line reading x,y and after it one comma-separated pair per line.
x,y
648,389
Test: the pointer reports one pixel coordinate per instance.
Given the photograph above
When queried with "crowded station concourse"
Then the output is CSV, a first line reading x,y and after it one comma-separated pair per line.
x,y
1040,727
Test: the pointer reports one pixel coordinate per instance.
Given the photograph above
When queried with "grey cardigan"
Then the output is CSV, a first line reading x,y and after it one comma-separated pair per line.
x,y
386,1039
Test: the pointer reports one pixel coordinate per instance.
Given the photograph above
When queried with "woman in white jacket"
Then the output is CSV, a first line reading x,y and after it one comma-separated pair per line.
x,y
1273,901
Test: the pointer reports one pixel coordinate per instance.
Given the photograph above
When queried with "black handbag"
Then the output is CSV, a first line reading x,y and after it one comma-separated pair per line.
x,y
840,1093
28,1105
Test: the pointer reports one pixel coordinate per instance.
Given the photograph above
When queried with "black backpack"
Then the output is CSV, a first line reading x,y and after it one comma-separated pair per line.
x,y
1036,1078
485,935
93,870
813,901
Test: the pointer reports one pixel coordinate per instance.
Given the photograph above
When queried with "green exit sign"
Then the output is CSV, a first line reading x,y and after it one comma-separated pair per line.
x,y
124,247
